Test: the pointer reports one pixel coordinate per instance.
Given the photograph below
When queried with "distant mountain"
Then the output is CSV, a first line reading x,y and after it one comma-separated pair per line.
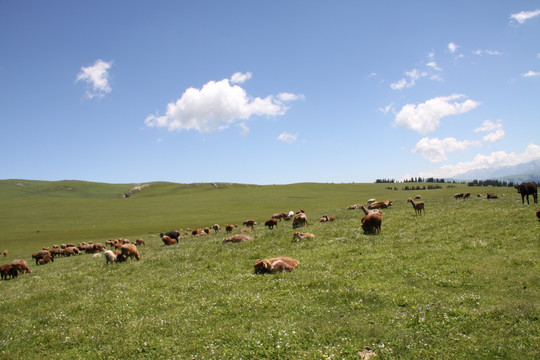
x,y
529,171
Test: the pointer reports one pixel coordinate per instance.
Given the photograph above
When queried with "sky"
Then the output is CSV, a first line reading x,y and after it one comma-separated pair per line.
x,y
266,92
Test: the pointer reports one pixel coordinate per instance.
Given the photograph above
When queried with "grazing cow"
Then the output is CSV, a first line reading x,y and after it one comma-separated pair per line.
x,y
271,223
168,240
371,224
139,242
417,197
175,234
110,256
130,251
5,253
229,228
20,266
526,189
299,220
467,195
274,265
458,196
46,259
352,207
492,196
196,232
249,223
297,236
216,228
237,238
40,255
8,270
206,231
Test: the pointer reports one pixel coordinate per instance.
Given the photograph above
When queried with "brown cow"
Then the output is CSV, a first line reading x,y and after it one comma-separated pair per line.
x,y
299,220
271,223
274,265
249,223
229,228
20,266
371,224
237,238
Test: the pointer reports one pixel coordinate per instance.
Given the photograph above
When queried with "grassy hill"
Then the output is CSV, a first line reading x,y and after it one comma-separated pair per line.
x,y
460,282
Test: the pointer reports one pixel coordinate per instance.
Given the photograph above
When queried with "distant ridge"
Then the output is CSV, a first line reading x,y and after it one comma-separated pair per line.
x,y
529,171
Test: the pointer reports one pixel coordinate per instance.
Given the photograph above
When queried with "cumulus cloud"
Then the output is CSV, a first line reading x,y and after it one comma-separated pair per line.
x,y
287,138
97,78
216,106
492,161
531,74
523,16
435,149
426,117
409,80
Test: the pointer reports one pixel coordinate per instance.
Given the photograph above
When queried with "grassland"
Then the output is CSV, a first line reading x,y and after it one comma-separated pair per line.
x,y
460,282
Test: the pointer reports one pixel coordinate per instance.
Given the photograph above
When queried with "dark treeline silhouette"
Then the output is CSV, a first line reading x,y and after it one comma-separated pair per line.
x,y
413,180
497,183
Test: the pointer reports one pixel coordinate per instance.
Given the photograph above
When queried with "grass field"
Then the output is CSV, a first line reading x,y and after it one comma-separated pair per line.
x,y
460,282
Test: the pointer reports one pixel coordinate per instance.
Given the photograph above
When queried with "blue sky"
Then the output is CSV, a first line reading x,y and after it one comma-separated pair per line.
x,y
271,92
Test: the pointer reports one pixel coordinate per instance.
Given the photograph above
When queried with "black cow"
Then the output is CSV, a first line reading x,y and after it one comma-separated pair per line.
x,y
526,189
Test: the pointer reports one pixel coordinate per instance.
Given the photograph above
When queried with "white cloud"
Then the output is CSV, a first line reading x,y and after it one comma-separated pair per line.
x,y
523,16
425,117
387,108
494,136
284,96
433,65
489,125
452,47
217,105
487,51
286,137
435,149
412,75
239,78
245,129
97,77
531,74
492,161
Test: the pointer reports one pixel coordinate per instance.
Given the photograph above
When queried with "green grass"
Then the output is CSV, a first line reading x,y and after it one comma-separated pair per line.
x,y
460,282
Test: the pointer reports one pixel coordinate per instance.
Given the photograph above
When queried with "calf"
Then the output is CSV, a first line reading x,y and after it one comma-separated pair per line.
x,y
274,265
297,236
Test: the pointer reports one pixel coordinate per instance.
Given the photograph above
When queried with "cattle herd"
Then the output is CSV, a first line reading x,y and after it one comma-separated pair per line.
x,y
123,249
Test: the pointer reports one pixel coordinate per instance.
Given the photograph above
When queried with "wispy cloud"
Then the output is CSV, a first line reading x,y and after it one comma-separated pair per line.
x,y
487,52
435,149
287,138
531,74
409,80
495,130
426,117
217,105
523,16
97,78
